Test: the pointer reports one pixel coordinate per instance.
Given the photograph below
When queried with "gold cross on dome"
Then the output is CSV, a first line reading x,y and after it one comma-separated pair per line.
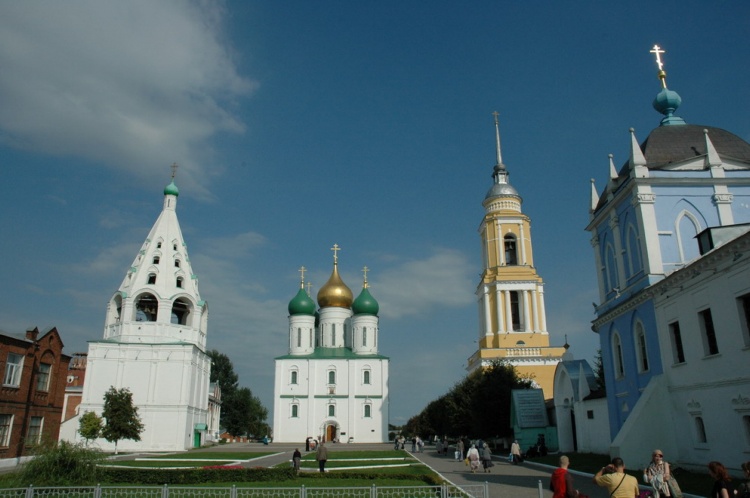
x,y
335,250
174,169
302,271
365,270
309,286
658,51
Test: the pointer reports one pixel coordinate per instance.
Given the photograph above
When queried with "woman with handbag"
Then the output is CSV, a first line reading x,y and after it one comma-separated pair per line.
x,y
659,475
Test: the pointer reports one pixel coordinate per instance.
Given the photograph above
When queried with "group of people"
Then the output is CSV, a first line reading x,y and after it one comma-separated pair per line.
x,y
658,474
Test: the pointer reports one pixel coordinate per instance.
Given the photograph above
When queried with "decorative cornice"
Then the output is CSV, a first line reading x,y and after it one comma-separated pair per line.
x,y
644,198
741,401
693,405
725,198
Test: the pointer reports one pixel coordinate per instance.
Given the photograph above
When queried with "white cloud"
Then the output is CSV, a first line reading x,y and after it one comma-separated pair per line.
x,y
134,85
417,286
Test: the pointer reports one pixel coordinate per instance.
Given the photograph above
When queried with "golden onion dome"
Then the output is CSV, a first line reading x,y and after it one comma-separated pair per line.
x,y
335,292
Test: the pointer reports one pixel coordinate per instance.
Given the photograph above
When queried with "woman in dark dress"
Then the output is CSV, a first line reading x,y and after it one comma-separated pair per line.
x,y
721,480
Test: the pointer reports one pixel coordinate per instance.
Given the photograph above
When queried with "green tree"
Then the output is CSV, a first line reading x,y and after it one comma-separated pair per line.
x,y
90,426
60,464
222,372
121,415
247,414
599,371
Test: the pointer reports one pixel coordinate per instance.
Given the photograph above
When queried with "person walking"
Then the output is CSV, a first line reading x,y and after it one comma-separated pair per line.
x,y
721,480
460,450
561,482
515,452
307,444
618,483
743,490
321,455
296,458
473,456
486,457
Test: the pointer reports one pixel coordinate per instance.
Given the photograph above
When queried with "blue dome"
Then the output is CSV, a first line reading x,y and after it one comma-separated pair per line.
x,y
171,189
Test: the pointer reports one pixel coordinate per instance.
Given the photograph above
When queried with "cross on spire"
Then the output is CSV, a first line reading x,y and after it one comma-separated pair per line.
x,y
335,250
365,270
174,169
657,51
302,271
309,286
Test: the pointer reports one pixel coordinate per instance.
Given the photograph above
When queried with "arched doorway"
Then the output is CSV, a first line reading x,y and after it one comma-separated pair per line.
x,y
329,430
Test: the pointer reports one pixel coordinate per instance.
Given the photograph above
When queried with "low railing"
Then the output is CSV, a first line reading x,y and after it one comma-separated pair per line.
x,y
443,491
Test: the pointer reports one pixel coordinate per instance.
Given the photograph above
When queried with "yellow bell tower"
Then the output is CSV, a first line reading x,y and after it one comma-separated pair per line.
x,y
510,294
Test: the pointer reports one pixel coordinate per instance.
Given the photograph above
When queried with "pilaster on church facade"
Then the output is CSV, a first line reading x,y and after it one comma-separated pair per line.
x,y
510,294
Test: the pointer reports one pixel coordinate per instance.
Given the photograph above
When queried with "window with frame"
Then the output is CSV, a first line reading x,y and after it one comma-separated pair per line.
x,y
299,337
42,377
746,428
640,348
617,356
13,369
678,352
708,332
509,244
700,430
156,260
34,434
293,377
368,411
331,410
332,376
743,304
295,411
515,310
366,377
151,278
6,423
364,336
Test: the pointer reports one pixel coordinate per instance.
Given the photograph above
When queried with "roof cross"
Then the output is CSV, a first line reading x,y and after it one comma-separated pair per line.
x,y
365,270
302,271
335,250
174,169
657,51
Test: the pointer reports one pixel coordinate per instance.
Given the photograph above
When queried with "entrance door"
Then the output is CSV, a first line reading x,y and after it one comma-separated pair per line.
x,y
330,433
196,439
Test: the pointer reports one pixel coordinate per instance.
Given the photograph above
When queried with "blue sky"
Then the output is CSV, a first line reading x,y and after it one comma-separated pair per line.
x,y
298,125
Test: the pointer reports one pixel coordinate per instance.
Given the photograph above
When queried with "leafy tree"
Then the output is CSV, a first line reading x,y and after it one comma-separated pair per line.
x,y
222,372
122,417
599,371
90,426
247,414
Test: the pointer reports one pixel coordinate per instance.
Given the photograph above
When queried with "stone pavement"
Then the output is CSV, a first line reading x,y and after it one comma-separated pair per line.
x,y
505,479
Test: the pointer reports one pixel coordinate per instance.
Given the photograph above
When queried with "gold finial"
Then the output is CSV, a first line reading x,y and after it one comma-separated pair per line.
x,y
302,271
174,169
309,286
365,270
657,51
335,250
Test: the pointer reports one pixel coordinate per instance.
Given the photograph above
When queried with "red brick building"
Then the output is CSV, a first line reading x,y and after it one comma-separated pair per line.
x,y
34,371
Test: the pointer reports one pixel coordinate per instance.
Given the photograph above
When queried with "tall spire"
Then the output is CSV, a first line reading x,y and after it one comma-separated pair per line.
x,y
667,101
662,74
497,138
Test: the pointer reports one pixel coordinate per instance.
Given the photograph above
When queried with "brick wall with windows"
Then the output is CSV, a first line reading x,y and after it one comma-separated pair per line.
x,y
34,371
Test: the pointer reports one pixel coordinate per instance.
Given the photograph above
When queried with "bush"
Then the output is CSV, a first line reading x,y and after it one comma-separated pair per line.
x,y
145,476
61,464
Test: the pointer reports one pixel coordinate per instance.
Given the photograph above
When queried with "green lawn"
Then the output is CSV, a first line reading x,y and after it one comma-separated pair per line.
x,y
696,483
216,455
160,464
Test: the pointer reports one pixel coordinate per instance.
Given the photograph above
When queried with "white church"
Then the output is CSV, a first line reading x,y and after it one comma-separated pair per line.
x,y
154,344
332,385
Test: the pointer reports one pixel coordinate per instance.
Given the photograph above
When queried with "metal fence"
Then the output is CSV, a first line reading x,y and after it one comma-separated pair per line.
x,y
444,491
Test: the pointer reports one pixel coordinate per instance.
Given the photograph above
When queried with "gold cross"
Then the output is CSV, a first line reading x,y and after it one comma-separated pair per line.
x,y
302,271
365,270
174,169
335,250
657,51
309,286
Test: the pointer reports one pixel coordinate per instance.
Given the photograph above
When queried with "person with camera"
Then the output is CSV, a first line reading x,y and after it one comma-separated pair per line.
x,y
618,483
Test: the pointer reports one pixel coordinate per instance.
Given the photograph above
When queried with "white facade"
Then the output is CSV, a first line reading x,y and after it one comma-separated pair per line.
x,y
154,345
333,384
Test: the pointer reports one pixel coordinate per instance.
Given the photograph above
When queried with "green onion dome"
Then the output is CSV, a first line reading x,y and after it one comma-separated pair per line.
x,y
302,304
365,304
171,189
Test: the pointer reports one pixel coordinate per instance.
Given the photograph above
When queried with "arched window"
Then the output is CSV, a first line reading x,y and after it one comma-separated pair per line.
x,y
688,227
617,356
700,430
179,282
295,411
366,377
511,256
180,312
641,351
146,308
176,263
368,411
331,410
611,269
364,336
156,260
293,377
158,245
174,246
634,251
299,337
332,376
151,278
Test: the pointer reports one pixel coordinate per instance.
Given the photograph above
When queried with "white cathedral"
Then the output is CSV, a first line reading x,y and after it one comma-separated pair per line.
x,y
332,385
154,344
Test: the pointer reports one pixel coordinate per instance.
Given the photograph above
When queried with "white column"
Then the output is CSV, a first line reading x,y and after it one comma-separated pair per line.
x,y
598,263
499,244
543,314
526,314
487,314
644,201
614,225
522,243
535,311
499,309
